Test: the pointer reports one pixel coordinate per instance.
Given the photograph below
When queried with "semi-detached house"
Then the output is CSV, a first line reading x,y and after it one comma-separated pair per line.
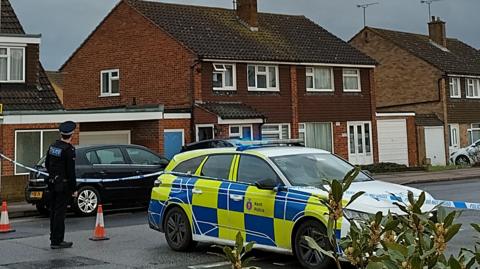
x,y
433,77
220,73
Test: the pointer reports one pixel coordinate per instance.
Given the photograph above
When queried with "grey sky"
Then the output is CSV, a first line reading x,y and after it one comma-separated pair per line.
x,y
64,24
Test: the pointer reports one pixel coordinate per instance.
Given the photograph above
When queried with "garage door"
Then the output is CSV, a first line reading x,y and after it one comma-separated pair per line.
x,y
109,137
392,141
434,145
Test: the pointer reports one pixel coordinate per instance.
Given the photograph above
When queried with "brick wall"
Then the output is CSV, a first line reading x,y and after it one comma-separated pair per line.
x,y
412,142
399,73
153,67
340,139
32,64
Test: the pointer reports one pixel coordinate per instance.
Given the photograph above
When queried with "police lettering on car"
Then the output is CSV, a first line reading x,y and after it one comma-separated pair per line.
x,y
60,164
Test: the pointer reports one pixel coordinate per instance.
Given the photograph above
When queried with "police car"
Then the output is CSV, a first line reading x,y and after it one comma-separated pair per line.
x,y
268,193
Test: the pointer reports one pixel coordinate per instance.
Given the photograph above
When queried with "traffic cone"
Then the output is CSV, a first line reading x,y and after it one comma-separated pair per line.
x,y
4,222
99,232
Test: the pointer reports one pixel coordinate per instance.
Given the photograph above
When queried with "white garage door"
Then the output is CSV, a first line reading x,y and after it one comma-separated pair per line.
x,y
108,137
434,145
392,141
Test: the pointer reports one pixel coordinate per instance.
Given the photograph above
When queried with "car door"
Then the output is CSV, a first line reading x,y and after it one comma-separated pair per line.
x,y
112,166
208,198
252,209
144,162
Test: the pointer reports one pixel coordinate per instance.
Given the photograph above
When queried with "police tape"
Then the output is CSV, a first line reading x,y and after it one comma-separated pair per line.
x,y
84,180
402,198
392,197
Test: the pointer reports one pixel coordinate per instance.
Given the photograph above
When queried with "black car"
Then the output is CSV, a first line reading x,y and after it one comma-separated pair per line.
x,y
211,143
97,168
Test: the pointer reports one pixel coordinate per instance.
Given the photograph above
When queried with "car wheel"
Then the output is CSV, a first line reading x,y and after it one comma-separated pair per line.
x,y
177,230
462,160
86,202
42,209
308,257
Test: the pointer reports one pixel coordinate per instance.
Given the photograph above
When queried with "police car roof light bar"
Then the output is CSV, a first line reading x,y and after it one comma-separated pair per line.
x,y
246,145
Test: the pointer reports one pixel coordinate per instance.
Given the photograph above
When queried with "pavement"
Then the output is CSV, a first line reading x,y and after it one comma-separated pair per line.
x,y
23,209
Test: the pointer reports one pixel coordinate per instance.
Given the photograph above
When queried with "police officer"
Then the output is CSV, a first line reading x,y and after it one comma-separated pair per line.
x,y
60,164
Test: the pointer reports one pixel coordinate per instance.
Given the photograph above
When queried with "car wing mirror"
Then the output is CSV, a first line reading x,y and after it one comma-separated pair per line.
x,y
267,184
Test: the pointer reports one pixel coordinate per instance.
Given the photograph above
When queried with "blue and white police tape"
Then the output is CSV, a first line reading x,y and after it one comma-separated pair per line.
x,y
83,180
402,198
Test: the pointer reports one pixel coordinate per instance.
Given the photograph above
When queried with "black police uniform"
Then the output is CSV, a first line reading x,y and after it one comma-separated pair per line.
x,y
60,164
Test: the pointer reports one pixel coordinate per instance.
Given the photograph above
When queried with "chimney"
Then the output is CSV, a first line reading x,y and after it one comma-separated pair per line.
x,y
247,13
437,31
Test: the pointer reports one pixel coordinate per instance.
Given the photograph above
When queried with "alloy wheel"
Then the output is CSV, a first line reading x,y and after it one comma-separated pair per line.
x,y
87,201
176,228
310,256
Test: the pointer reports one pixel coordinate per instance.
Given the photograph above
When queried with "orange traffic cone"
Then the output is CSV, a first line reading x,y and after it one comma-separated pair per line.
x,y
99,232
4,222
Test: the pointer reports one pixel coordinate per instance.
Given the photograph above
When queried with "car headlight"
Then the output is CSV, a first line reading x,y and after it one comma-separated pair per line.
x,y
356,215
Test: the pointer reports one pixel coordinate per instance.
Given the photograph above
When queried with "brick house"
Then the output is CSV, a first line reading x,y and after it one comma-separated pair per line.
x,y
435,77
223,73
24,88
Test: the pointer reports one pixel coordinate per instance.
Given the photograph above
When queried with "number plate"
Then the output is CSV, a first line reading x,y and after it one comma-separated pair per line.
x,y
36,194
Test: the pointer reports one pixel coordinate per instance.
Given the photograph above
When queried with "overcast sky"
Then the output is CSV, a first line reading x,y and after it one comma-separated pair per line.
x,y
64,24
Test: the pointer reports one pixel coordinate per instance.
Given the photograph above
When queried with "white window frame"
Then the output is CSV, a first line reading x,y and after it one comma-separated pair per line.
x,y
475,84
455,92
472,129
41,131
302,128
223,70
9,58
240,127
278,131
110,78
357,76
267,74
312,74
198,126
454,135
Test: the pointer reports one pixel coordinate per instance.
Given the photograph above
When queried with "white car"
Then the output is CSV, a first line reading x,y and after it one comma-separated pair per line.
x,y
466,156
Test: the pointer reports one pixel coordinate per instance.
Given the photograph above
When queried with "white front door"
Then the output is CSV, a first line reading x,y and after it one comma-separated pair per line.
x,y
360,142
435,145
454,137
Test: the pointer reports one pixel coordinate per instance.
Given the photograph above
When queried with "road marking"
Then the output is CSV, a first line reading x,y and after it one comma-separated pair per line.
x,y
210,265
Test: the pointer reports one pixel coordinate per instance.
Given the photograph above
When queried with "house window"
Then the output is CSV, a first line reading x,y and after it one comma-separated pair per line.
x,y
110,82
351,80
474,133
319,79
12,64
262,78
224,77
241,132
276,131
317,135
31,146
455,88
205,132
473,88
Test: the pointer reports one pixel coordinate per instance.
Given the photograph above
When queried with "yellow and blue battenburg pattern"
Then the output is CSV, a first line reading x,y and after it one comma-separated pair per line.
x,y
218,209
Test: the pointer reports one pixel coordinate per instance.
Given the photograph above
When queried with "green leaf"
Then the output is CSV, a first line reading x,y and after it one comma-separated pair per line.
x,y
441,214
378,217
411,198
249,246
454,264
421,200
229,254
449,219
239,241
452,231
337,191
355,197
416,263
375,265
397,247
330,233
349,177
313,245
476,227
402,207
391,225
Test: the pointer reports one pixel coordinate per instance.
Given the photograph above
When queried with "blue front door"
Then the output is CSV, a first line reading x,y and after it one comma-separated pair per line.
x,y
172,143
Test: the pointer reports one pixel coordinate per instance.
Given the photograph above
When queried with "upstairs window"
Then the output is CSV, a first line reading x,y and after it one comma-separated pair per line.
x,y
455,88
12,64
319,79
473,88
276,131
224,77
110,82
351,80
262,78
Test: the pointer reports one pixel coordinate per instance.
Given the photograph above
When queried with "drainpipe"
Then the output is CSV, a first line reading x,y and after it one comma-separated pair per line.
x,y
196,61
444,98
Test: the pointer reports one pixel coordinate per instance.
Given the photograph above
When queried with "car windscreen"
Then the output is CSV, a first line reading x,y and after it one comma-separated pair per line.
x,y
312,169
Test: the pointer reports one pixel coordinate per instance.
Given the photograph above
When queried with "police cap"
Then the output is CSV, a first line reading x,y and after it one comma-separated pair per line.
x,y
67,128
